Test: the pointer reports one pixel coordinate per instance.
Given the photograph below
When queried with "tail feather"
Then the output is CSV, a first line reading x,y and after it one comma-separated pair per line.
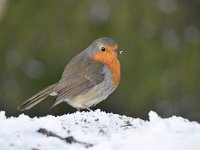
x,y
35,99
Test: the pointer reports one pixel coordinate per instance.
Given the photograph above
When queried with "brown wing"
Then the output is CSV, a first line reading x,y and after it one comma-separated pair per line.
x,y
84,76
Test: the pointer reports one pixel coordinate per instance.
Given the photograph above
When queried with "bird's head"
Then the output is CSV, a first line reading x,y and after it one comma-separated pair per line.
x,y
104,50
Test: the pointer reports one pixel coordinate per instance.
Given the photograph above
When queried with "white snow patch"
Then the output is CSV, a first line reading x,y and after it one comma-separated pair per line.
x,y
97,130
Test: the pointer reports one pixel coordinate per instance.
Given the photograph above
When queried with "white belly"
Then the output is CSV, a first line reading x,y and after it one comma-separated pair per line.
x,y
96,94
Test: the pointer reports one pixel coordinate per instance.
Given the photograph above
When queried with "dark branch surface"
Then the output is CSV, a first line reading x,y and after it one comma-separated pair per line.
x,y
68,139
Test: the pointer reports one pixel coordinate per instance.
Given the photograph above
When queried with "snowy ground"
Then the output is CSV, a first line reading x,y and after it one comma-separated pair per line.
x,y
97,130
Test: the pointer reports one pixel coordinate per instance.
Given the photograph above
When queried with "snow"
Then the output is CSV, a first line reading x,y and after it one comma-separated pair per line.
x,y
98,130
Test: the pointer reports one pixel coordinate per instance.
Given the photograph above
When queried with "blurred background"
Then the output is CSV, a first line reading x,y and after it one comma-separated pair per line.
x,y
160,64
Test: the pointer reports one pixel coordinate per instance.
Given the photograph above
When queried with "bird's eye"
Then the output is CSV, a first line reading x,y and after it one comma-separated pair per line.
x,y
103,49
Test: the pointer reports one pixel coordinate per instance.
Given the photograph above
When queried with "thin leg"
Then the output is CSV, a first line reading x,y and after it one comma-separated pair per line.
x,y
86,107
78,109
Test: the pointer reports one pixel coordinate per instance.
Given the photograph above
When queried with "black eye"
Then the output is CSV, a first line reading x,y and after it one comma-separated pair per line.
x,y
103,49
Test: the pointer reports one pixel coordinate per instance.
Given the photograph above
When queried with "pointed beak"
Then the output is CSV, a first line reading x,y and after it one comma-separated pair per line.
x,y
118,51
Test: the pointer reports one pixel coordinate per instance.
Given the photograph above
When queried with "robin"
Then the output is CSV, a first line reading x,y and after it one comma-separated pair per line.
x,y
89,78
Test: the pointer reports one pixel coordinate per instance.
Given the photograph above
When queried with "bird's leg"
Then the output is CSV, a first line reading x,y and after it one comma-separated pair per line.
x,y
86,107
78,109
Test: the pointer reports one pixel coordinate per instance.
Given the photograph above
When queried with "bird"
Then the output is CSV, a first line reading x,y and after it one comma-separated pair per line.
x,y
89,78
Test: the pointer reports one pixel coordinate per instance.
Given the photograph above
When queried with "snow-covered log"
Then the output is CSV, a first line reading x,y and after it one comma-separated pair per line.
x,y
97,130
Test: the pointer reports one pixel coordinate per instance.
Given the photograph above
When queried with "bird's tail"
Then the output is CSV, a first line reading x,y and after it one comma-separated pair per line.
x,y
35,99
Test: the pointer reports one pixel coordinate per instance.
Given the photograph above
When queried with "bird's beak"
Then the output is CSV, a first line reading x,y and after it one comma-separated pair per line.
x,y
118,51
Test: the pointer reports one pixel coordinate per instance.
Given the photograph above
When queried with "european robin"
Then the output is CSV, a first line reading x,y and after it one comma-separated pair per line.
x,y
89,78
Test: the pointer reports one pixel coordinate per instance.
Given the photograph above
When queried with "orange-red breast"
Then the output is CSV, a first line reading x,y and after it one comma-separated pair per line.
x,y
89,78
